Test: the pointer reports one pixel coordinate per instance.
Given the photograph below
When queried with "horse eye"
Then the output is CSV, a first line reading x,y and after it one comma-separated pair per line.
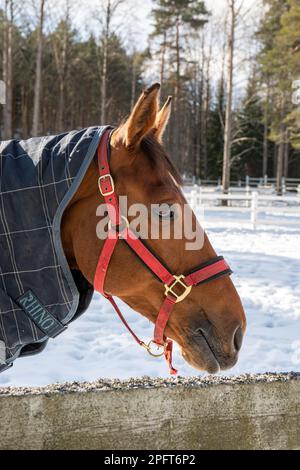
x,y
165,212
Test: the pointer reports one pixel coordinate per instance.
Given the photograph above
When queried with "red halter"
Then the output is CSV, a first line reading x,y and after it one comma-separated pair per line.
x,y
119,229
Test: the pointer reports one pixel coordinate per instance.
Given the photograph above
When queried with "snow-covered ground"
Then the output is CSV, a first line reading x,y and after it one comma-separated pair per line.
x,y
266,262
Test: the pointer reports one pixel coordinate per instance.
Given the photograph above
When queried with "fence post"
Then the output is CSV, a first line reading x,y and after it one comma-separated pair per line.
x,y
283,185
247,190
194,198
199,194
254,207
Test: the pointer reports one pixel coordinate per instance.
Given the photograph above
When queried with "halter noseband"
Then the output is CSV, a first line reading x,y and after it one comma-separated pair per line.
x,y
119,229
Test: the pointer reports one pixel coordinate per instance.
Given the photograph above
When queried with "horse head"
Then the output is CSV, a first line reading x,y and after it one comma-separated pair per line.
x,y
210,323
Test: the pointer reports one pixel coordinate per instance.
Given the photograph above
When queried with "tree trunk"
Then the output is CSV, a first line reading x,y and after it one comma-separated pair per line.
x,y
266,132
61,105
177,87
281,148
228,118
222,80
205,112
133,81
38,75
8,69
104,62
24,116
204,131
275,158
197,110
62,76
60,54
176,140
286,157
280,157
163,58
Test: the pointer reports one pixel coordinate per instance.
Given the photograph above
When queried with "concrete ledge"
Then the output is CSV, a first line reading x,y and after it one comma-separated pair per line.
x,y
245,412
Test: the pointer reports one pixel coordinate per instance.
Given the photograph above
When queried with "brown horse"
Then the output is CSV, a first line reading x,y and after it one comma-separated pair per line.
x,y
210,323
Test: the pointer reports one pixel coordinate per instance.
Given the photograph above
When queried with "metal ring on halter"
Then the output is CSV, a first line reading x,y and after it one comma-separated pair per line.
x,y
119,228
179,280
149,350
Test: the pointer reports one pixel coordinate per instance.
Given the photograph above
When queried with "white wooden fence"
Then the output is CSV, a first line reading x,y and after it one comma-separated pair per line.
x,y
285,210
288,184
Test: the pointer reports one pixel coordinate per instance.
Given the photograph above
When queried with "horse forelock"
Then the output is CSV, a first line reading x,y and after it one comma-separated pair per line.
x,y
160,160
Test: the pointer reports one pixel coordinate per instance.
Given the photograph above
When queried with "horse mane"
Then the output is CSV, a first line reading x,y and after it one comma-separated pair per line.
x,y
160,160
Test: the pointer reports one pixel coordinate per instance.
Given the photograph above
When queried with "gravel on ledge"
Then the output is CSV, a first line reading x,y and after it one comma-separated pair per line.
x,y
149,383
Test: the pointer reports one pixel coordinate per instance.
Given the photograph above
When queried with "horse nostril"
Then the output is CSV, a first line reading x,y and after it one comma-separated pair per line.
x,y
238,339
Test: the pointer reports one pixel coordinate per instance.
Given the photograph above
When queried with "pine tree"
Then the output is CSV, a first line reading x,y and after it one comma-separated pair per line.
x,y
247,149
216,134
279,61
172,18
289,40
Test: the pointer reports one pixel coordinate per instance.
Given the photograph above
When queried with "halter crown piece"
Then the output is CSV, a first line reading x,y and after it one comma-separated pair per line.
x,y
119,229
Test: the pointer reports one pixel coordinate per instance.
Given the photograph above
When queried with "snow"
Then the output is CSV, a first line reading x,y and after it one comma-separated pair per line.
x,y
266,264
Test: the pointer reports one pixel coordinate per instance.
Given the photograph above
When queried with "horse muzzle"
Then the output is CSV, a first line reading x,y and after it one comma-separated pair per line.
x,y
206,351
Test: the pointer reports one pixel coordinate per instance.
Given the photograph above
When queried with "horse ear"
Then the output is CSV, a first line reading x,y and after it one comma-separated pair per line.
x,y
143,116
162,119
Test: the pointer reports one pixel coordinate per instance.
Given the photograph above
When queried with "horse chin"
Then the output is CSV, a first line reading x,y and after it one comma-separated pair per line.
x,y
205,362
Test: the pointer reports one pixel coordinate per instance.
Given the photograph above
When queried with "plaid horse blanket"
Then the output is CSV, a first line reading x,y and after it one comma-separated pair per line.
x,y
39,295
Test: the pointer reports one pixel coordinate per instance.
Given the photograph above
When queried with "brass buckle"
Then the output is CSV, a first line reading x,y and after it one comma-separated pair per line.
x,y
108,193
159,346
170,289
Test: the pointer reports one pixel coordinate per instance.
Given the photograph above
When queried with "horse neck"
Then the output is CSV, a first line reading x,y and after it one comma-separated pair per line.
x,y
78,230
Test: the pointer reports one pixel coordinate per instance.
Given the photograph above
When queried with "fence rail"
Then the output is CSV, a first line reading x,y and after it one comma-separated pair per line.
x,y
288,184
251,202
246,412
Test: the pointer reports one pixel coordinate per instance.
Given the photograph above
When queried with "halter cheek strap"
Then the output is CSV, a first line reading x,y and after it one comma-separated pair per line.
x,y
177,287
